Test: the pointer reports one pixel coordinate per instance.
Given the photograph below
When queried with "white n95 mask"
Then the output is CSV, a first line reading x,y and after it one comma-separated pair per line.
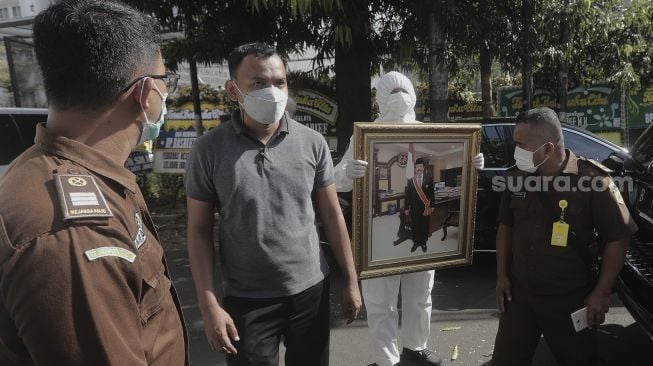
x,y
265,106
524,159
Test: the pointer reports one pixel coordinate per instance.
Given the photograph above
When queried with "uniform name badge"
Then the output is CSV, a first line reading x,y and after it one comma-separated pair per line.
x,y
560,228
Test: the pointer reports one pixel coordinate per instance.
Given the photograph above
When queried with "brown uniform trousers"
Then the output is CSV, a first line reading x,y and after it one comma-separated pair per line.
x,y
83,279
550,282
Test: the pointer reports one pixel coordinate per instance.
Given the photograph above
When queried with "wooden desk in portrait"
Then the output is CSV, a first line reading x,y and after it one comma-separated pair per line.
x,y
445,213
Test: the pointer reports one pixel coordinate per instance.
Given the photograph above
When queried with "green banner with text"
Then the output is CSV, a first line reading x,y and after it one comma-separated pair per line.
x,y
639,107
595,108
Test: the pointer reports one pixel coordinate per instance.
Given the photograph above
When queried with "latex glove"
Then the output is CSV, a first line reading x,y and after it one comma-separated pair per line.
x,y
478,161
355,168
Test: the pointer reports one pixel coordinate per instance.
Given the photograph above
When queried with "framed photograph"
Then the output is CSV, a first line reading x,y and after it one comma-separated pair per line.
x,y
383,173
420,216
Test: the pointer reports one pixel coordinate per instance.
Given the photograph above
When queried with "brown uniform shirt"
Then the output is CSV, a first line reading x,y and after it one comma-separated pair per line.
x,y
91,288
547,269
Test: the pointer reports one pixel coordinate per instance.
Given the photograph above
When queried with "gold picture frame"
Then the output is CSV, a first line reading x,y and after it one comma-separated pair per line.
x,y
391,232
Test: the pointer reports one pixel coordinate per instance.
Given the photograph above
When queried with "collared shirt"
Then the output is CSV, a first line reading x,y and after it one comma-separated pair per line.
x,y
269,246
83,279
548,269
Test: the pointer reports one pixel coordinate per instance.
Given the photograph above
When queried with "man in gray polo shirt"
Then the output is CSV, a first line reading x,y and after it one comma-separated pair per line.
x,y
261,170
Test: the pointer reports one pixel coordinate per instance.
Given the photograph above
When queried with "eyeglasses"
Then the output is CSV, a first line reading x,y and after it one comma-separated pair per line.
x,y
170,79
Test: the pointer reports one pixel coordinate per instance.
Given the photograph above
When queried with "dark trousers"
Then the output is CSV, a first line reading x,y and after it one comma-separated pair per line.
x,y
419,225
302,320
528,316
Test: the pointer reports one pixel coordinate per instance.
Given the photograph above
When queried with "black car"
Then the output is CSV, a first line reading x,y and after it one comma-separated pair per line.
x,y
17,130
635,285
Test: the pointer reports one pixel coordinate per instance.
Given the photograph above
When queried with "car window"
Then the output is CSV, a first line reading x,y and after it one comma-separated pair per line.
x,y
584,146
498,146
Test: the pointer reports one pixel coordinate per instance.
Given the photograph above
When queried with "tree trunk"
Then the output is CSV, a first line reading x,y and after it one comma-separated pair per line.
x,y
486,80
563,73
438,71
195,93
353,65
527,59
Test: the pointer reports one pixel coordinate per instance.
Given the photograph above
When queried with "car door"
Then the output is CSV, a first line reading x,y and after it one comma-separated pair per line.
x,y
635,284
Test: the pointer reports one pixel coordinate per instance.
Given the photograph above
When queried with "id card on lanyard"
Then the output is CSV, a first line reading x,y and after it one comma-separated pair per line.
x,y
560,230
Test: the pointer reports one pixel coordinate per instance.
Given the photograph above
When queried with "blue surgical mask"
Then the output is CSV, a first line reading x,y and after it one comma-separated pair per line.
x,y
151,130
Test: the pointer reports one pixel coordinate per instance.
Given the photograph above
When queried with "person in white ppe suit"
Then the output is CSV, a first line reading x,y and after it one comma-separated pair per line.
x,y
396,99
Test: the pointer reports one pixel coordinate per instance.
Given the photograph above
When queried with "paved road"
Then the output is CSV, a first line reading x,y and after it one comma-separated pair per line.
x,y
463,297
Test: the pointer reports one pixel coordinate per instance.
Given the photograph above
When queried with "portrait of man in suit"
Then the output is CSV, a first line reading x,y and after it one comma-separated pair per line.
x,y
419,198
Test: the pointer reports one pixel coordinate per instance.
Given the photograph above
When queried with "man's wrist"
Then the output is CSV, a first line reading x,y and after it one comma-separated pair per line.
x,y
603,290
502,273
351,279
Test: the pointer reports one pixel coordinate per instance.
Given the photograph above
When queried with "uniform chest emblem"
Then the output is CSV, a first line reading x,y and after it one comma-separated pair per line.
x,y
140,238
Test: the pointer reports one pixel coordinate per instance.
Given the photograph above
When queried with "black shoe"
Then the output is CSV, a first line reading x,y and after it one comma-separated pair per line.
x,y
414,248
424,248
424,357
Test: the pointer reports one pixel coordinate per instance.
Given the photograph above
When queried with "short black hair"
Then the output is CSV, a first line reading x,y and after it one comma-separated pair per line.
x,y
420,161
545,120
258,49
89,50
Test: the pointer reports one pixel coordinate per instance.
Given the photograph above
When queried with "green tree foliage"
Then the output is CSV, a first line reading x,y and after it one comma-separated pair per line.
x,y
608,40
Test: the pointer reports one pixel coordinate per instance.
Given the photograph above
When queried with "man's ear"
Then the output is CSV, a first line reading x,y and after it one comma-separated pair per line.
x,y
141,92
232,91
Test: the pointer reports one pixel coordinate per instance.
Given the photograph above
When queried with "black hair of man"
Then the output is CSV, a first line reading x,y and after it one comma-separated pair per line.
x,y
420,161
545,121
90,50
257,49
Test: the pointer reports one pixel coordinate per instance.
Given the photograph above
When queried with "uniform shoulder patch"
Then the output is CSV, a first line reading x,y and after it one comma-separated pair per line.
x,y
597,165
80,197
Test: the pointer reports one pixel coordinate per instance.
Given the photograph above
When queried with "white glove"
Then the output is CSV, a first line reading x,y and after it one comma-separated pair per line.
x,y
478,161
355,168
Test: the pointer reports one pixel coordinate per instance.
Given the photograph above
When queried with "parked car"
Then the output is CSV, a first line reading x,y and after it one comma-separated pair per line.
x,y
17,130
635,285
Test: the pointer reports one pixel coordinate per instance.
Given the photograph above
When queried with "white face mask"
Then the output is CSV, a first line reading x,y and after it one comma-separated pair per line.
x,y
524,159
265,106
400,103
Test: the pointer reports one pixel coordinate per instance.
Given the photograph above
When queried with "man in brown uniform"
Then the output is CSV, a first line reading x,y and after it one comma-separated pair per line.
x,y
546,247
83,280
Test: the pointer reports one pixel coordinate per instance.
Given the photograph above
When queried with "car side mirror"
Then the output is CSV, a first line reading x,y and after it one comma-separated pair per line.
x,y
616,162
617,159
